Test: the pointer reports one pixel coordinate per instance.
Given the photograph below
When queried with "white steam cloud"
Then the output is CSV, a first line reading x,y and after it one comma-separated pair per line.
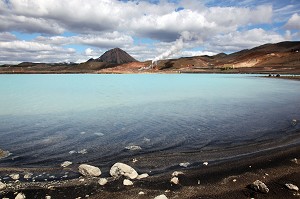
x,y
178,45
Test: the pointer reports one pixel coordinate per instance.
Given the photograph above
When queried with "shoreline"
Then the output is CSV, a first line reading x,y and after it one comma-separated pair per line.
x,y
223,180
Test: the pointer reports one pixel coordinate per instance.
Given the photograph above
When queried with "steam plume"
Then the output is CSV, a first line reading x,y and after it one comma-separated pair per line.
x,y
179,44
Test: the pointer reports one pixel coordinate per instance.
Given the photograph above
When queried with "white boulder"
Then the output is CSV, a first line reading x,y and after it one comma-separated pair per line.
x,y
14,176
144,175
20,196
102,181
127,182
88,170
292,187
163,196
121,169
66,164
174,180
260,186
2,185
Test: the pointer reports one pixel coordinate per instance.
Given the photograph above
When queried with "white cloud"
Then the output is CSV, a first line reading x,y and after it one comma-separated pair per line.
x,y
7,36
240,40
294,22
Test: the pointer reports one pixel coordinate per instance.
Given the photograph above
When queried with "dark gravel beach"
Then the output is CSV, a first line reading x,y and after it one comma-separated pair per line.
x,y
224,180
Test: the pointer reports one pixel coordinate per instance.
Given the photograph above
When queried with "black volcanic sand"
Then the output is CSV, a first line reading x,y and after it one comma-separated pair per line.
x,y
228,179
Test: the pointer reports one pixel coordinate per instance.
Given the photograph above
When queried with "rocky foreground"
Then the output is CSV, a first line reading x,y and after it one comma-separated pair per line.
x,y
269,176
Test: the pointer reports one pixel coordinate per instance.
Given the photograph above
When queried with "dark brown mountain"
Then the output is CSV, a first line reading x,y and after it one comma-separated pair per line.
x,y
116,56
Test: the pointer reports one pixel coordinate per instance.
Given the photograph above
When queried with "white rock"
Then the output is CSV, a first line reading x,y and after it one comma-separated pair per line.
x,y
163,196
127,182
2,185
14,176
144,175
141,193
205,163
83,151
292,187
102,181
121,169
28,175
48,197
260,186
88,170
66,164
184,164
177,173
20,196
133,148
174,180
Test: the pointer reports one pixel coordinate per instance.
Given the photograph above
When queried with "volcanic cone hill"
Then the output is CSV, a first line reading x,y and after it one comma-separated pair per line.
x,y
116,56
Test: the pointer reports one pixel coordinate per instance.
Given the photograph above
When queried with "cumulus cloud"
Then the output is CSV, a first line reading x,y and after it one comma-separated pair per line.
x,y
19,51
294,22
103,24
240,40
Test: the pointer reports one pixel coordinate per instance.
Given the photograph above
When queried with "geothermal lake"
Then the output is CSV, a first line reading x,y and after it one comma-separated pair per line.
x,y
160,119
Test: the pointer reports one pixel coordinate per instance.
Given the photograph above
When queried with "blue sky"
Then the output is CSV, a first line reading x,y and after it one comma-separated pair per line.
x,y
77,30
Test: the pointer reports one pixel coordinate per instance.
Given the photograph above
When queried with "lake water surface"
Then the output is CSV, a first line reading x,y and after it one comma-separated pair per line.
x,y
48,119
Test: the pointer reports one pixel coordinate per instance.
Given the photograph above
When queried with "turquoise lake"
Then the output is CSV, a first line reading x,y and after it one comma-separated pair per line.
x,y
101,119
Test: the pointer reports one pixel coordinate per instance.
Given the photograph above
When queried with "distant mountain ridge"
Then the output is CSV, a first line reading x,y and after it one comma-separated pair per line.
x,y
116,56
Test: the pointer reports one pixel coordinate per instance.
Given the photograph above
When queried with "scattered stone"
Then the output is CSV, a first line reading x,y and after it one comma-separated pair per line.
x,y
121,169
72,152
199,182
234,180
294,122
146,140
48,197
88,170
163,196
134,160
20,196
28,175
167,191
102,181
127,182
14,176
174,180
144,175
99,134
205,163
2,185
260,186
294,160
141,193
81,180
292,187
87,196
184,164
66,164
133,148
83,151
177,173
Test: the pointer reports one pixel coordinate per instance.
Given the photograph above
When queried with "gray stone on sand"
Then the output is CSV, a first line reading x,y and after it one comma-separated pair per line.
x,y
14,176
144,175
20,196
127,182
163,196
28,175
121,169
2,185
174,180
260,186
66,164
177,173
292,187
102,181
89,170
